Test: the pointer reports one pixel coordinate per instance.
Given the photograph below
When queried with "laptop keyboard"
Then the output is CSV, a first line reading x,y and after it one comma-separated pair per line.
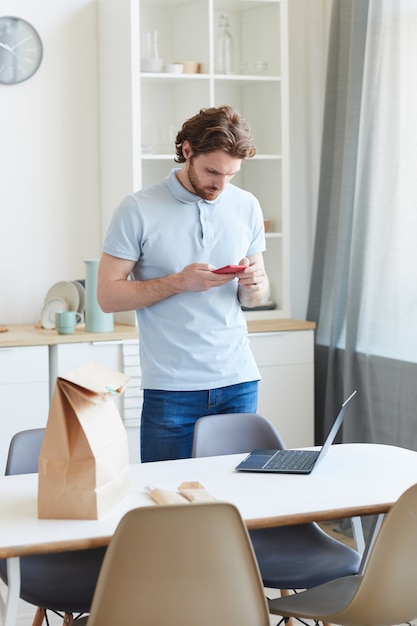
x,y
289,459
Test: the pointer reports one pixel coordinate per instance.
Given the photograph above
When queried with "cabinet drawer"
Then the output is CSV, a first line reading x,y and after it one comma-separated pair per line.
x,y
284,348
23,364
73,355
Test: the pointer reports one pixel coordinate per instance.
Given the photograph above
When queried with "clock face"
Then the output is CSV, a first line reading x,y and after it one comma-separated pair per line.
x,y
20,50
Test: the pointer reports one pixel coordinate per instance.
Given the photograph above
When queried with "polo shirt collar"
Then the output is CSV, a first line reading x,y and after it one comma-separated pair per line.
x,y
181,193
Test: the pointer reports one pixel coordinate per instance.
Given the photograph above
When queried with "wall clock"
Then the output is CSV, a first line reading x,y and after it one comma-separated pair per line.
x,y
20,50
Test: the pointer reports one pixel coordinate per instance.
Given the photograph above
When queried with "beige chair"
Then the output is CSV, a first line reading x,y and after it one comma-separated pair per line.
x,y
384,594
180,565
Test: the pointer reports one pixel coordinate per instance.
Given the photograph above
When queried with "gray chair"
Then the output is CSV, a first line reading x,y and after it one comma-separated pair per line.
x,y
63,582
384,594
24,451
289,557
180,565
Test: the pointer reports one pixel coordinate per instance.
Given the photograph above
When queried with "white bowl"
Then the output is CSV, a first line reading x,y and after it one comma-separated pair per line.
x,y
174,68
151,65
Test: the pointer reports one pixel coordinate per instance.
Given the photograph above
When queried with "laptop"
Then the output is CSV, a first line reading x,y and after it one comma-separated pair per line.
x,y
293,461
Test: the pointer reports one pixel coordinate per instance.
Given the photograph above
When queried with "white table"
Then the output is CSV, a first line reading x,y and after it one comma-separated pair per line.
x,y
353,479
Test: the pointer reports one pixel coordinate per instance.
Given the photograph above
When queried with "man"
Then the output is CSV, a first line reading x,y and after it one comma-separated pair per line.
x,y
161,248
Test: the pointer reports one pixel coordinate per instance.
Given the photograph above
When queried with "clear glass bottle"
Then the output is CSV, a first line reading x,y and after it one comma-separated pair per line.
x,y
152,45
223,48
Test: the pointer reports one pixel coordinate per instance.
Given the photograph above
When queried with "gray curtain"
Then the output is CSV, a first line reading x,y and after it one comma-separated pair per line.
x,y
363,293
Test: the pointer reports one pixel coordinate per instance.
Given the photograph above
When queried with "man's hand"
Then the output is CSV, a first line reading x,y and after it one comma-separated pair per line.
x,y
200,277
253,281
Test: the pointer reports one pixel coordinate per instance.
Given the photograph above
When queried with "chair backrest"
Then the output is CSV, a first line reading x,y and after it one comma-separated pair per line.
x,y
387,591
24,451
232,433
181,565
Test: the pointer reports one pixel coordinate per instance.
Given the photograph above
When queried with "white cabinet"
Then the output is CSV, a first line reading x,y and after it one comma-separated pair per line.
x,y
140,112
25,385
286,391
24,397
73,355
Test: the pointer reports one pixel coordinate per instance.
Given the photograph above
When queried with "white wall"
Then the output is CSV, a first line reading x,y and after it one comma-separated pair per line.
x,y
49,163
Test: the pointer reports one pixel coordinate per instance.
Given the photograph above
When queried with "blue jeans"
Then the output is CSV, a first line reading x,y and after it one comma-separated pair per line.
x,y
168,417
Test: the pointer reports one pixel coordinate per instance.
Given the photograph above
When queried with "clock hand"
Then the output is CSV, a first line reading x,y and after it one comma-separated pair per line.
x,y
9,49
20,43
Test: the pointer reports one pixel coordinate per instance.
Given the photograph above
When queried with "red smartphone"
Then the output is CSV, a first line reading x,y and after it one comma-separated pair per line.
x,y
230,269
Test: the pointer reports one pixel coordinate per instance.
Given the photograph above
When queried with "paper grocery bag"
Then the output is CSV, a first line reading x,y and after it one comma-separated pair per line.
x,y
84,459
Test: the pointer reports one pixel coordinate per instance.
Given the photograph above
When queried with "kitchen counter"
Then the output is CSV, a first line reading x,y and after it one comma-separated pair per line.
x,y
32,357
33,335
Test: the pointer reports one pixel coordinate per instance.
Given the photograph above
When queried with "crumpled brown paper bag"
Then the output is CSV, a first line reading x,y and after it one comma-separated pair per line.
x,y
84,459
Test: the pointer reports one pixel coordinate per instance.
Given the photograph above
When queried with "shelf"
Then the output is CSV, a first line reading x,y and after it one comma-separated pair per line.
x,y
165,77
154,156
145,110
247,78
273,235
230,5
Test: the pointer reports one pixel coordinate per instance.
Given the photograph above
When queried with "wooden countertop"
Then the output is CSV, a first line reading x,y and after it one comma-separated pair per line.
x,y
279,325
31,335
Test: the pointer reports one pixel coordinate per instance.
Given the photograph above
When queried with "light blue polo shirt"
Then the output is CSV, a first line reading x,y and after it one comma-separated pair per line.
x,y
194,340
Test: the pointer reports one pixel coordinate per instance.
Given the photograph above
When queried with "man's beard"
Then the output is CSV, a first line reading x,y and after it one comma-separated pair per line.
x,y
206,193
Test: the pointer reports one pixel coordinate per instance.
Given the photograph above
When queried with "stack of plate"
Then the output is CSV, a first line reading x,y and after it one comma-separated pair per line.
x,y
63,296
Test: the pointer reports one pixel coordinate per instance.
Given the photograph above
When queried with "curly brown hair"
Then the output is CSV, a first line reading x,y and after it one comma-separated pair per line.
x,y
212,129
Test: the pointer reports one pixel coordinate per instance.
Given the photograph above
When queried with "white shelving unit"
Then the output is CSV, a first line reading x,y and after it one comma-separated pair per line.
x,y
141,112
